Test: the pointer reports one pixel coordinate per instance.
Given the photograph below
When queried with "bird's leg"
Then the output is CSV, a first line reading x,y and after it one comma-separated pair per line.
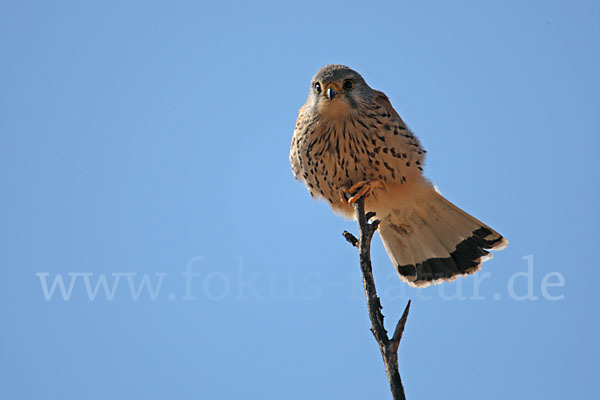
x,y
360,189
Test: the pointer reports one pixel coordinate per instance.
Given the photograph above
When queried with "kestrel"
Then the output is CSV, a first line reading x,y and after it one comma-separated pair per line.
x,y
348,143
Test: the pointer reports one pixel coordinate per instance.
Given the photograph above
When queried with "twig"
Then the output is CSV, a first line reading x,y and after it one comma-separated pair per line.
x,y
387,346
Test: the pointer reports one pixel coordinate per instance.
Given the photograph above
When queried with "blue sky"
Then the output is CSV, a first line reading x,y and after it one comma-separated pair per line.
x,y
141,140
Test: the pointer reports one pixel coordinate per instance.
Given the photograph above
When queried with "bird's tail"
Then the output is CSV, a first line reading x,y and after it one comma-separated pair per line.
x,y
430,240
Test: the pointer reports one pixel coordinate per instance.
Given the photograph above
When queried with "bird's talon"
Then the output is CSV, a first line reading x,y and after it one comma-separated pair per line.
x,y
360,189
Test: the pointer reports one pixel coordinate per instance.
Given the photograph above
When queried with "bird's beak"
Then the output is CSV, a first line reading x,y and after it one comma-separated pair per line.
x,y
331,91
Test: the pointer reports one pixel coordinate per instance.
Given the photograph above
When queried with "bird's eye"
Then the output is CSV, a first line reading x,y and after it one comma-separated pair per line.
x,y
318,87
348,84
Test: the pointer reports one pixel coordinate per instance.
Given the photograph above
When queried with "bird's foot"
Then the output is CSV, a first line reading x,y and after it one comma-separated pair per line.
x,y
360,189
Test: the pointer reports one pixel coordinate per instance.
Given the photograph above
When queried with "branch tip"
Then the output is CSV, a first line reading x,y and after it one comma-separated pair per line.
x,y
375,225
400,326
350,238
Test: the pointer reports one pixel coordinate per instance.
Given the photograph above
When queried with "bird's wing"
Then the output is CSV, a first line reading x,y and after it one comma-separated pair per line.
x,y
398,135
383,101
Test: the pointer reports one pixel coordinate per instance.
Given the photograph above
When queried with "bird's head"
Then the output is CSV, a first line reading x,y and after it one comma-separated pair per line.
x,y
336,91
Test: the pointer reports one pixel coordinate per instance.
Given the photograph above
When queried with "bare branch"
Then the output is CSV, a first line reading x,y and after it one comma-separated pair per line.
x,y
387,346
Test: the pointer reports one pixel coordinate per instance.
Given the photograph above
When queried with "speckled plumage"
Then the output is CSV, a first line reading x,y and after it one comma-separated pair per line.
x,y
347,133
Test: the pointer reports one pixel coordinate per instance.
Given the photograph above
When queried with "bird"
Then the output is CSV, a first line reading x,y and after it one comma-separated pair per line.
x,y
350,143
